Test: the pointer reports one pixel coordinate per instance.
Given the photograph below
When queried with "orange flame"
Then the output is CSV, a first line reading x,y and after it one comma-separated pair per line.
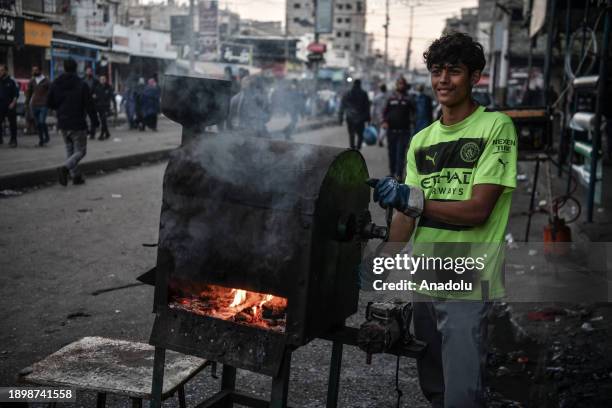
x,y
239,297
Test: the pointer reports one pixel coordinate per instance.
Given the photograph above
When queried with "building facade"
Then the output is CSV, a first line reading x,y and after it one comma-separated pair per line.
x,y
349,21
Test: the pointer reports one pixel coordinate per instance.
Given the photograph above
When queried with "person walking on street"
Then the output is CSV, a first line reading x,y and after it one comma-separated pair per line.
x,y
356,106
151,104
71,98
36,100
423,108
293,100
461,174
9,92
250,109
378,107
103,96
234,90
92,83
397,121
129,101
138,100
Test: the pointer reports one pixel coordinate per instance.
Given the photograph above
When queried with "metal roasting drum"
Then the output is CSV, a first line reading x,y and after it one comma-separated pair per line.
x,y
256,214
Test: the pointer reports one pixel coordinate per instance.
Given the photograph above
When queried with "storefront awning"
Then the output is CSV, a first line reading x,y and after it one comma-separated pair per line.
x,y
116,57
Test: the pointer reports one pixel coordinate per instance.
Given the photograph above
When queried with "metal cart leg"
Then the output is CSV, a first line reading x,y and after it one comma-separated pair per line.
x,y
158,377
333,385
228,383
280,383
101,400
181,396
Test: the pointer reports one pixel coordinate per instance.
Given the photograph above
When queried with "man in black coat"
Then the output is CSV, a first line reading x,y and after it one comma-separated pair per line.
x,y
398,120
356,105
92,82
9,92
103,96
71,98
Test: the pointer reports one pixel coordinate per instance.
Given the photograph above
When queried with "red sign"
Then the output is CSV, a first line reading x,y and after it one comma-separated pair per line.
x,y
317,48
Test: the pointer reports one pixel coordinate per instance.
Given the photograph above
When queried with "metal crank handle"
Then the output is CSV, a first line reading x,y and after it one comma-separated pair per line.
x,y
372,182
389,220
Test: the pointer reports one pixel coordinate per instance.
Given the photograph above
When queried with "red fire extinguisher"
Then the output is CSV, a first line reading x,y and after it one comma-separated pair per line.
x,y
556,233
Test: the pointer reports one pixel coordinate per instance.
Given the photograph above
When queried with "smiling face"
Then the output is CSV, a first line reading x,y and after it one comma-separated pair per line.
x,y
452,83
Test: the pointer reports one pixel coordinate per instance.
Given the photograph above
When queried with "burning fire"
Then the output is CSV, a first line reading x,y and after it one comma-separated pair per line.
x,y
238,305
239,297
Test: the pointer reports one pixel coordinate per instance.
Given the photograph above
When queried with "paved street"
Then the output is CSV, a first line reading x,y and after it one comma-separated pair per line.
x,y
29,156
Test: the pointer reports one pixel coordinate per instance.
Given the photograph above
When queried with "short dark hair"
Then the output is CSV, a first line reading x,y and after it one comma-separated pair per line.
x,y
383,88
70,65
455,48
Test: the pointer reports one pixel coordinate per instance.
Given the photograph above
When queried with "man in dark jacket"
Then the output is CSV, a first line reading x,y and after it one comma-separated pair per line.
x,y
250,109
103,96
92,82
36,101
356,104
423,110
151,104
71,98
398,117
9,92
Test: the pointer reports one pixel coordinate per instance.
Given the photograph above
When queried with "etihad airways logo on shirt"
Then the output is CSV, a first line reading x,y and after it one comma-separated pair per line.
x,y
449,182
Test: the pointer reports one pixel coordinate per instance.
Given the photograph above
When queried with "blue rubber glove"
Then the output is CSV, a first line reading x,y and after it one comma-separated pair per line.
x,y
408,200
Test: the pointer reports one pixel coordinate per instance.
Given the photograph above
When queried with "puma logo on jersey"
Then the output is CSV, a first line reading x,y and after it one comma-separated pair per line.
x,y
503,163
431,159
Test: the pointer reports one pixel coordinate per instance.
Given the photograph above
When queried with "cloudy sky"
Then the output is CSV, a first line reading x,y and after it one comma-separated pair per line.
x,y
429,18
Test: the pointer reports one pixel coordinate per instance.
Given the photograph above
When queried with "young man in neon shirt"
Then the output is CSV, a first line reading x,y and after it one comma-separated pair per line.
x,y
461,171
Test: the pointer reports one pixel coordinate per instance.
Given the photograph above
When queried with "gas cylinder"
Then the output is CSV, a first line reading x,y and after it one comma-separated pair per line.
x,y
556,232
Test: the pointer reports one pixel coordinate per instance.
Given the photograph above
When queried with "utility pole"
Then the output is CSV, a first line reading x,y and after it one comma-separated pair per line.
x,y
286,39
316,40
409,49
386,27
191,37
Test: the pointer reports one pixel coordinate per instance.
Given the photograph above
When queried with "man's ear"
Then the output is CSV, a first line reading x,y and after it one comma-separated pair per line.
x,y
475,77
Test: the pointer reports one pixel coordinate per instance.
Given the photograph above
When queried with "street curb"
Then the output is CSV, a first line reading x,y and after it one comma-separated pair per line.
x,y
38,177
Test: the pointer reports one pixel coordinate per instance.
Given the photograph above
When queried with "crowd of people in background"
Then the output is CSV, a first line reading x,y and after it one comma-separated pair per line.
x,y
140,99
395,116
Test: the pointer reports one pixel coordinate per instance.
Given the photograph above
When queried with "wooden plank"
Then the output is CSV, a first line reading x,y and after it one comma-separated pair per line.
x,y
112,366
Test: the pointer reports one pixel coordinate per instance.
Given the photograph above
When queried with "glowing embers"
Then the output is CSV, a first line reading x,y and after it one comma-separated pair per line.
x,y
236,305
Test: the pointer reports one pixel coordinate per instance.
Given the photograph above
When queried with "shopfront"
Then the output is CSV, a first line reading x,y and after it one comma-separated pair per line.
x,y
34,52
151,52
85,54
11,36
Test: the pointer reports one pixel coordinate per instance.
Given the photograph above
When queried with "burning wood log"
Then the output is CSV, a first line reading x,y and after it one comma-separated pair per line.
x,y
273,310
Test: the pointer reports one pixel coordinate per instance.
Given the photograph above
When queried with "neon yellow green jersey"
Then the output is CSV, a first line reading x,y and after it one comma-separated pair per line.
x,y
447,161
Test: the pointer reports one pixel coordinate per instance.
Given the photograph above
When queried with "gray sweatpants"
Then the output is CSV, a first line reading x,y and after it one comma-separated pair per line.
x,y
452,369
75,142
